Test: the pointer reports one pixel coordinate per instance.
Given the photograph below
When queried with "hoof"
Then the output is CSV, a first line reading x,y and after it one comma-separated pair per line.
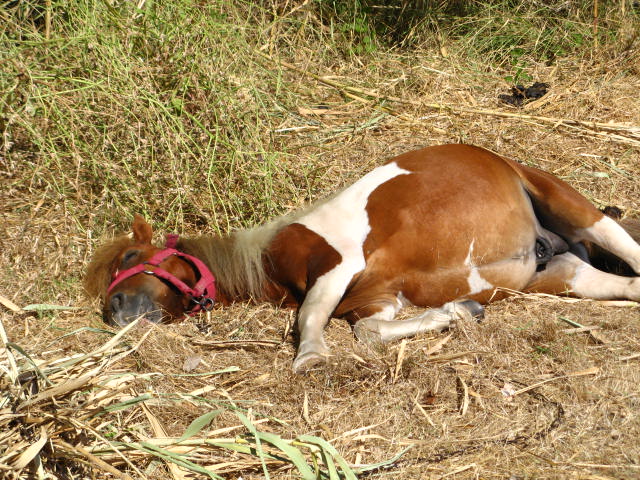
x,y
367,332
474,308
307,361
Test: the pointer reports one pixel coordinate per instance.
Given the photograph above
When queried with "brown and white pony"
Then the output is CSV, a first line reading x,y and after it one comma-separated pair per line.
x,y
442,227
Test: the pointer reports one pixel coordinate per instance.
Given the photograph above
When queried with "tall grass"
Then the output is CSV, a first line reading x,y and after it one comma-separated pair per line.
x,y
546,30
169,111
160,110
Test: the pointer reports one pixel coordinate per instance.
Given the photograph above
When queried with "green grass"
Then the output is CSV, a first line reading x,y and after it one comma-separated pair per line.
x,y
151,111
168,111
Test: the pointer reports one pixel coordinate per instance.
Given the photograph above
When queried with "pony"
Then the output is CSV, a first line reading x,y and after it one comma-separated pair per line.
x,y
446,227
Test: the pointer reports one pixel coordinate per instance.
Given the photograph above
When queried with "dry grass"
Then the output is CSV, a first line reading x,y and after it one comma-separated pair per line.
x,y
100,123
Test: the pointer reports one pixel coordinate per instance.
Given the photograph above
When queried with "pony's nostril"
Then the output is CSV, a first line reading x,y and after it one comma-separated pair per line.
x,y
116,302
125,308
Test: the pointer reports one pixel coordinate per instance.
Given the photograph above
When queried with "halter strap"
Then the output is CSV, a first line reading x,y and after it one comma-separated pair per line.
x,y
171,240
203,293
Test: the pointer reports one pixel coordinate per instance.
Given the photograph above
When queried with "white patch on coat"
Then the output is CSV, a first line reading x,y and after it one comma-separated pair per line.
x,y
476,283
343,221
389,311
403,301
588,282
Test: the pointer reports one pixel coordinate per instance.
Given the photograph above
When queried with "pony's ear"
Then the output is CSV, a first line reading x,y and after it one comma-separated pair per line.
x,y
142,231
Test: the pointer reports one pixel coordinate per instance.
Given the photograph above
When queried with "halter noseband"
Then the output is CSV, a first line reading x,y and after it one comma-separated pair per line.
x,y
203,293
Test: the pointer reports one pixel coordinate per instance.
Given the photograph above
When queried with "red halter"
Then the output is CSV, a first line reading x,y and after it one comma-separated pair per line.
x,y
203,293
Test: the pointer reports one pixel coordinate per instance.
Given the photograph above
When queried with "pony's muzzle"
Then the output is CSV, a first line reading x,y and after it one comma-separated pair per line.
x,y
124,309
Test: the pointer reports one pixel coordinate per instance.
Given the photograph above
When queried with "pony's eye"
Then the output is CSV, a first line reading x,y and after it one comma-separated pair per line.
x,y
129,256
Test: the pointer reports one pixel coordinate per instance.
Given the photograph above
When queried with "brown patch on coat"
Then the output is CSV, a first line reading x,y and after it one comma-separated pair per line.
x,y
558,206
296,258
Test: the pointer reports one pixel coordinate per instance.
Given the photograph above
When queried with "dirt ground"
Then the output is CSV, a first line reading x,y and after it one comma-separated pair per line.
x,y
516,396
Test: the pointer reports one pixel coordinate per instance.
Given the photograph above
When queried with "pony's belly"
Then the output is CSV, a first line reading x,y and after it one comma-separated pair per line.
x,y
481,283
505,275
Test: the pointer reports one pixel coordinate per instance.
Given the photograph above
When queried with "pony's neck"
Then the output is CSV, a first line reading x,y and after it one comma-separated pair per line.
x,y
239,261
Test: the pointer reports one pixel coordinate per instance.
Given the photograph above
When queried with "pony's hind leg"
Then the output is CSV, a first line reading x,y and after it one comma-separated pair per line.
x,y
381,328
567,274
608,234
565,212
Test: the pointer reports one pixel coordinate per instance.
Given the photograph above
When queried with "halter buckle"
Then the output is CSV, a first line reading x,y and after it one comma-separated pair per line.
x,y
205,303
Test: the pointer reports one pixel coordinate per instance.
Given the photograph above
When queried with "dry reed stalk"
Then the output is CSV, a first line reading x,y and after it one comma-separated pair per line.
x,y
176,471
99,463
10,305
53,429
33,408
47,20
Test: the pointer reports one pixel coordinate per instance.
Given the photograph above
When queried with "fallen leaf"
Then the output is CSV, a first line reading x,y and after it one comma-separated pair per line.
x,y
191,363
508,391
437,346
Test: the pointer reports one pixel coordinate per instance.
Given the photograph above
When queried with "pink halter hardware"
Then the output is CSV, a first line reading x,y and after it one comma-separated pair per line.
x,y
203,293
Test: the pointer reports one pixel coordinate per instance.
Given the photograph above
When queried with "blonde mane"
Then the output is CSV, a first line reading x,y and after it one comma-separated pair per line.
x,y
98,276
237,259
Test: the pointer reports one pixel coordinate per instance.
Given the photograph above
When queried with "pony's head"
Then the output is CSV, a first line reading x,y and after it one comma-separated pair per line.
x,y
134,278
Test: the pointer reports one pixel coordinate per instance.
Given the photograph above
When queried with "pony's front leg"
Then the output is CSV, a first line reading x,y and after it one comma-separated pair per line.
x,y
313,316
312,350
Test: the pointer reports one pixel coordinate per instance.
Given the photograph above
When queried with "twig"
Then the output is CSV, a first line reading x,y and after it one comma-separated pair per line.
x,y
399,359
597,337
595,465
571,331
463,391
629,357
236,343
458,470
590,371
453,356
